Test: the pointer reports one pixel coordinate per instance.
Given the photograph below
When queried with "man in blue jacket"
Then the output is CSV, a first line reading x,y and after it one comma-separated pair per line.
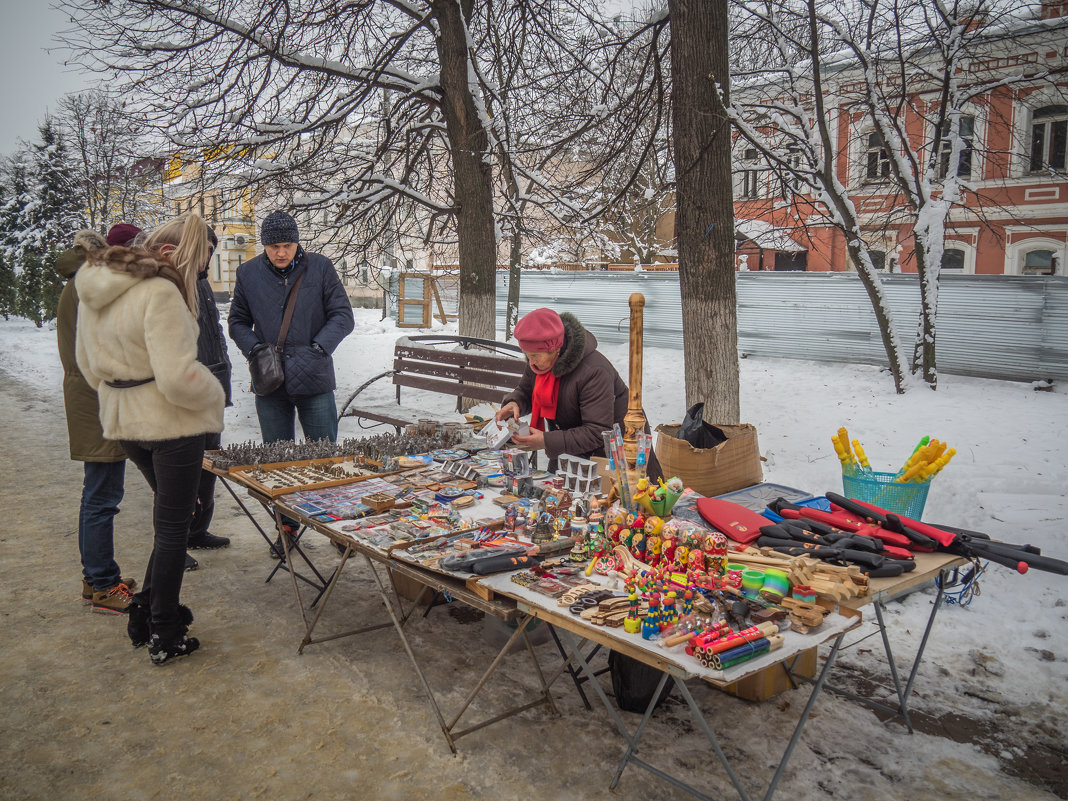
x,y
321,319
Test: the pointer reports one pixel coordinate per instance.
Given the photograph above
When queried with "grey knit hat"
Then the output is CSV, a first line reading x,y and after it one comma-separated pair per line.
x,y
279,227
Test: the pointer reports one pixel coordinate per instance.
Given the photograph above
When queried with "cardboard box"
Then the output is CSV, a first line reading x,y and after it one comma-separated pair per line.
x,y
410,588
773,680
731,465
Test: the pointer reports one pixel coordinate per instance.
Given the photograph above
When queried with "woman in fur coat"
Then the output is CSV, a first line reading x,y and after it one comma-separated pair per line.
x,y
137,347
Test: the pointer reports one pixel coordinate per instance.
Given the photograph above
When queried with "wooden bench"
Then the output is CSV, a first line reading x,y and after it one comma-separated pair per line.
x,y
464,367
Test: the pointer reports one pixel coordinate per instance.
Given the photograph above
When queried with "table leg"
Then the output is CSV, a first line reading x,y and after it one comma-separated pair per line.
x,y
633,740
903,693
282,565
545,698
325,600
411,656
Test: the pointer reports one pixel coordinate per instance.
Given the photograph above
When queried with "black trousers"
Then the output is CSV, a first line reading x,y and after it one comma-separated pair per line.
x,y
172,468
204,508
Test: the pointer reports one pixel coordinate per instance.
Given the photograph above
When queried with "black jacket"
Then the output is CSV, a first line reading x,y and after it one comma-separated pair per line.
x,y
211,344
323,317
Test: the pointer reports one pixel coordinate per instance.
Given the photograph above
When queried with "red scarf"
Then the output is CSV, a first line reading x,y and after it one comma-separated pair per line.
x,y
543,399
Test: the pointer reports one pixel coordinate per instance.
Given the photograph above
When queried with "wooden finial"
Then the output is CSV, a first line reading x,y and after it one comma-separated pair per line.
x,y
634,421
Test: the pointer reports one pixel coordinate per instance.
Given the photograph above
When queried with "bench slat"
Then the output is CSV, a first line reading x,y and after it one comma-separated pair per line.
x,y
491,394
484,361
465,375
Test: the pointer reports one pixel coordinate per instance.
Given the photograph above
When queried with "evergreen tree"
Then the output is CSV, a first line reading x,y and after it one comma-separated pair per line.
x,y
13,200
31,288
8,288
51,287
59,208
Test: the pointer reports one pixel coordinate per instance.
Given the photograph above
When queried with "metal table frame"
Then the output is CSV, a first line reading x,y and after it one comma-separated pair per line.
x,y
293,544
573,630
929,566
398,617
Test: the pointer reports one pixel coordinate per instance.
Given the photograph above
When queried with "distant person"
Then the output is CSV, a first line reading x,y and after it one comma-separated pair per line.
x,y
322,318
103,461
211,352
137,346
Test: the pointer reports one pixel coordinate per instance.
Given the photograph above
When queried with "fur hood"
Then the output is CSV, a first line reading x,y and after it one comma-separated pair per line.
x,y
110,271
577,343
85,242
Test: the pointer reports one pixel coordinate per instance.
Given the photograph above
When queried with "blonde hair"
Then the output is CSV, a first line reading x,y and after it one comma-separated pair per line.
x,y
192,248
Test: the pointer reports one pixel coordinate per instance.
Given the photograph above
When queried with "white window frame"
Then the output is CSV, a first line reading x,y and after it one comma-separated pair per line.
x,y
1055,117
748,182
866,149
941,161
1017,251
969,257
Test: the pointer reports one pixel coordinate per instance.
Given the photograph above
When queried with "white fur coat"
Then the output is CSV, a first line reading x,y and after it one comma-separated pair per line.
x,y
133,324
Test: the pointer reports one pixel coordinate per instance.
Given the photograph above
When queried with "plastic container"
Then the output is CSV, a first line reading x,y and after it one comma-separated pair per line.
x,y
880,489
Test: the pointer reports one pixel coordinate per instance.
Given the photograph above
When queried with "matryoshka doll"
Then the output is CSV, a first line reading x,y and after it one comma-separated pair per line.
x,y
715,547
652,551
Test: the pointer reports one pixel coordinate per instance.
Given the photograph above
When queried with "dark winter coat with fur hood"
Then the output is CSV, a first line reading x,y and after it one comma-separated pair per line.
x,y
134,324
591,399
86,438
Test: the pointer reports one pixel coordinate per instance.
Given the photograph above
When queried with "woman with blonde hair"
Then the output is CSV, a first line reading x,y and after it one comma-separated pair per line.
x,y
137,347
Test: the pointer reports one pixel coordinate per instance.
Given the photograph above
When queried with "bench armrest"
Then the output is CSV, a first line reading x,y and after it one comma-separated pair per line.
x,y
361,388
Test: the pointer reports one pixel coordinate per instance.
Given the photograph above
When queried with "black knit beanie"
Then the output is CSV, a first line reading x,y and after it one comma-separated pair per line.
x,y
279,227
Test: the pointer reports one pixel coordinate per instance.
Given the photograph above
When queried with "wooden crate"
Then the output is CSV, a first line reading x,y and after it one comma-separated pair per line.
x,y
244,475
773,680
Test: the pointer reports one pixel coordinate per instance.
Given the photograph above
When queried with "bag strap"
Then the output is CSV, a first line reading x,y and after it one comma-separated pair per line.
x,y
287,318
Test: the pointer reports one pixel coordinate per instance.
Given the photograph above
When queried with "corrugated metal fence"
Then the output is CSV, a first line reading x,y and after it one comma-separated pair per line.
x,y
1010,327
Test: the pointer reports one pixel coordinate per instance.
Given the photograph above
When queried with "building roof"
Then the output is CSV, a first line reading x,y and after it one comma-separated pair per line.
x,y
767,236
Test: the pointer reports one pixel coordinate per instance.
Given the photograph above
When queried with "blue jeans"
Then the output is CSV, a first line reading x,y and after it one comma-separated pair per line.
x,y
102,491
172,468
318,416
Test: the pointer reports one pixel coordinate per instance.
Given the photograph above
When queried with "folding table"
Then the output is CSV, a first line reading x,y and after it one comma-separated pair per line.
x,y
374,557
675,664
929,566
293,543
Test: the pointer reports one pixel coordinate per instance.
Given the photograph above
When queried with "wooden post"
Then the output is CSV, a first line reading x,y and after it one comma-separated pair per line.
x,y
634,421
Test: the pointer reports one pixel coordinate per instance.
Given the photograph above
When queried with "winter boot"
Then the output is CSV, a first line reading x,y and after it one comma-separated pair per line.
x,y
169,642
139,622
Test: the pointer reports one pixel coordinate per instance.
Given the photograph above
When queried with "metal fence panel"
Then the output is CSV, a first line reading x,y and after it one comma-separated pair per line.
x,y
997,326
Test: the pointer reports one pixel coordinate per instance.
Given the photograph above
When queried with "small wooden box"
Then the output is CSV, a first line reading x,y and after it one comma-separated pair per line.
x,y
378,501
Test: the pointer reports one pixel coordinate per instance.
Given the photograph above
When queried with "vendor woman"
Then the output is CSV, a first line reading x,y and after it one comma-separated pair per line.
x,y
571,391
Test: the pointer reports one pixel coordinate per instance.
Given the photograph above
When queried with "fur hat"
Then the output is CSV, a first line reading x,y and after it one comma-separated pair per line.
x,y
540,331
277,228
122,234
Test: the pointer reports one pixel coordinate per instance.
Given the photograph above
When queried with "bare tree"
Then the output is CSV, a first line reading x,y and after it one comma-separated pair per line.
x,y
823,77
702,136
374,117
120,177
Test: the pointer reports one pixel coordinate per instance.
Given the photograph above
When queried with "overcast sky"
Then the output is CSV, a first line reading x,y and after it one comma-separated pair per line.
x,y
33,80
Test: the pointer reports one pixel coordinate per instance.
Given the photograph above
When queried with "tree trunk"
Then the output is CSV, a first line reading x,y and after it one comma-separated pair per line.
x,y
705,216
515,273
926,335
472,180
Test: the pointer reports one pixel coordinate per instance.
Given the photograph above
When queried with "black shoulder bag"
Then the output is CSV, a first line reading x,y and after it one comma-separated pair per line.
x,y
265,363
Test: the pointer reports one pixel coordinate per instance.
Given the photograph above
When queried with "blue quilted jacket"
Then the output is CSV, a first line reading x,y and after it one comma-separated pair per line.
x,y
323,317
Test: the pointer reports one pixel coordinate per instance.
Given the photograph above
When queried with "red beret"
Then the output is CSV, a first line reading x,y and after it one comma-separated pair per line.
x,y
122,234
540,331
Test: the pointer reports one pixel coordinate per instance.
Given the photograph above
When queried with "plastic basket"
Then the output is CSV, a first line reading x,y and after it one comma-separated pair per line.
x,y
881,490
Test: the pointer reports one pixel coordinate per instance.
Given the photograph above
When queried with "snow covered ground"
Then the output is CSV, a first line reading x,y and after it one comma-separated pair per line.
x,y
999,665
